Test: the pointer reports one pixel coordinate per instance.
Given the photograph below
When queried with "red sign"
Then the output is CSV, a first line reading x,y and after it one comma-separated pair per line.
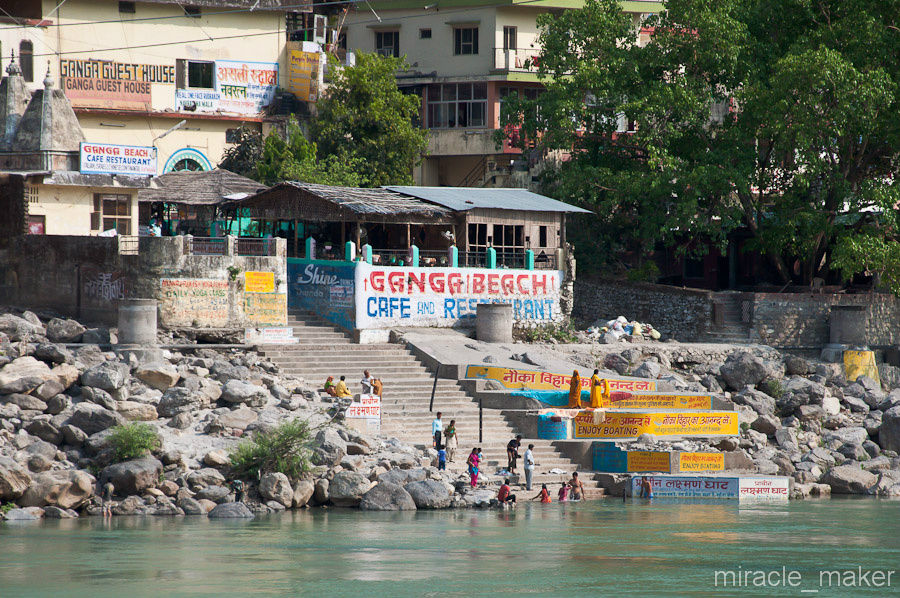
x,y
36,225
108,84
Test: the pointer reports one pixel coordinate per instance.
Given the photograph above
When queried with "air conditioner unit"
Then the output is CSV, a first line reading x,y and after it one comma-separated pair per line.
x,y
320,28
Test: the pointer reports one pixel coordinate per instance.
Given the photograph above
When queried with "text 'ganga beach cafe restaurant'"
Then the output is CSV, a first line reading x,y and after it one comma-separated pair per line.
x,y
368,260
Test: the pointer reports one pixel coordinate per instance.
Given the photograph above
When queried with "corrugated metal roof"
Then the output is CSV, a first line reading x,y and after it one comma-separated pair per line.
x,y
380,201
461,199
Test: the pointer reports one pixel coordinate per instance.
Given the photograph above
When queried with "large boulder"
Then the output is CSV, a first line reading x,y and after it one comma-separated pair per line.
x,y
277,487
757,400
238,391
133,477
231,510
429,494
66,374
161,376
850,479
742,369
66,489
109,376
134,411
93,418
22,375
25,402
303,492
238,418
208,388
64,331
889,432
347,488
179,400
386,496
53,353
18,329
14,479
847,435
330,448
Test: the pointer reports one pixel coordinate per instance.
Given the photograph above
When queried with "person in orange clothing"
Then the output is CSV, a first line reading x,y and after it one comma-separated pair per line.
x,y
575,391
544,495
597,390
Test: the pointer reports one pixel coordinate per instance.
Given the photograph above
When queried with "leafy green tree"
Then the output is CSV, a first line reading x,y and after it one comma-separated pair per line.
x,y
365,118
780,116
242,157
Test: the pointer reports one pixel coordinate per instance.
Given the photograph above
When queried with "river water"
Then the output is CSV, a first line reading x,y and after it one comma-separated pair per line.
x,y
666,548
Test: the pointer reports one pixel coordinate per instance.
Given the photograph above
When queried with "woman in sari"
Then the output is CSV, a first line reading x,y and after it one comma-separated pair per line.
x,y
575,391
472,461
451,440
598,389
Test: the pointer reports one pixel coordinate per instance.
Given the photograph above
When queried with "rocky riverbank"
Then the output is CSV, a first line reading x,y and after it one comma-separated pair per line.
x,y
61,397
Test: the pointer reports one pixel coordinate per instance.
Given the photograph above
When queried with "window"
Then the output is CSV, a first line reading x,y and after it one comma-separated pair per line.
x,y
192,11
31,193
126,8
305,27
111,211
26,60
465,40
387,43
424,33
457,105
478,240
200,74
542,236
693,268
509,38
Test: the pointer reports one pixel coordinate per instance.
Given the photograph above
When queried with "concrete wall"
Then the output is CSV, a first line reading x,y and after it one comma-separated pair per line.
x,y
67,210
86,276
684,314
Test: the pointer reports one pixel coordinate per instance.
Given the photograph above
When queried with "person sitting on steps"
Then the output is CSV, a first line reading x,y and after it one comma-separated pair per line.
x,y
330,387
370,384
341,391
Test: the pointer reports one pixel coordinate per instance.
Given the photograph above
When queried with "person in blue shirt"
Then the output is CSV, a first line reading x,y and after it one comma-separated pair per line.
x,y
437,428
442,457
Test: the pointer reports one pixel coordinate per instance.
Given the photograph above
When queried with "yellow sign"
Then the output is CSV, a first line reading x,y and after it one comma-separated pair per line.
x,y
303,75
860,363
259,282
639,461
266,308
661,401
536,380
701,462
631,425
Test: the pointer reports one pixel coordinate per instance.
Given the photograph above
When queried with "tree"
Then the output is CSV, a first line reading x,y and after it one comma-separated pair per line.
x,y
241,158
780,116
365,118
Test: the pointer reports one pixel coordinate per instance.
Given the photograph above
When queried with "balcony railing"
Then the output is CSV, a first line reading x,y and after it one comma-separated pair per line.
x,y
208,246
258,247
525,61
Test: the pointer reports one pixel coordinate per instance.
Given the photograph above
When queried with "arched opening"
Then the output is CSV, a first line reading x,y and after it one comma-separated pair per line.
x,y
26,60
187,164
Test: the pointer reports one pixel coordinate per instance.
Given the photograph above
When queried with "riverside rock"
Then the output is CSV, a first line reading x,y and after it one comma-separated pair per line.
x,y
277,487
757,400
179,400
134,411
238,391
67,489
231,510
14,479
109,376
429,494
889,432
93,418
133,477
303,492
347,488
386,496
742,369
18,329
22,375
53,353
160,376
24,401
64,331
848,479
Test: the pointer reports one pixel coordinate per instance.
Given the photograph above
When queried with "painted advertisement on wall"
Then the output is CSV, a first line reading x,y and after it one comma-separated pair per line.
x,y
90,83
661,401
193,302
443,297
268,309
536,380
241,87
768,488
595,424
688,486
701,462
303,75
324,287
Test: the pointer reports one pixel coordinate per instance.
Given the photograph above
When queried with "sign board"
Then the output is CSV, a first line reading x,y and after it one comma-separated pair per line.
x,y
266,308
90,83
537,380
259,282
303,75
444,297
689,462
632,425
638,461
241,87
860,363
768,488
325,287
270,336
193,302
366,414
106,158
670,486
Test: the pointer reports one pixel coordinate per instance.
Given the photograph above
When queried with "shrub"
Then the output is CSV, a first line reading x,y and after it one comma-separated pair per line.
x,y
7,507
774,388
133,440
563,332
284,449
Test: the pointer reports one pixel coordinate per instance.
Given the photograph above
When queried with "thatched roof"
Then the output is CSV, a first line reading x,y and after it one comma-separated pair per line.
x,y
200,188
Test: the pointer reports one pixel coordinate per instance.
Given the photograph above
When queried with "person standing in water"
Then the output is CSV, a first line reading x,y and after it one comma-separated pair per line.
x,y
575,391
646,488
577,487
563,494
543,495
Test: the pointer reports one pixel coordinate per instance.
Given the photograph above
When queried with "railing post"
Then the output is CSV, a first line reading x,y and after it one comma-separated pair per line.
x,y
229,245
349,251
310,248
453,256
491,258
188,244
413,256
529,259
367,253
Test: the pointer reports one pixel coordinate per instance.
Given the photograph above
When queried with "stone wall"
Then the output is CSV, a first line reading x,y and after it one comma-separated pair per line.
x,y
683,314
802,320
84,277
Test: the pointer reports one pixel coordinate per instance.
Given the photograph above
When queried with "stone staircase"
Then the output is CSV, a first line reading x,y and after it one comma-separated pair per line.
x,y
323,351
731,328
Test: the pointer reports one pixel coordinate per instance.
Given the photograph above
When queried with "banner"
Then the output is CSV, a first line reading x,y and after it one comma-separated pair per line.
x,y
688,486
537,380
240,88
90,83
769,488
106,158
435,297
303,75
632,425
860,363
638,461
259,282
661,401
689,462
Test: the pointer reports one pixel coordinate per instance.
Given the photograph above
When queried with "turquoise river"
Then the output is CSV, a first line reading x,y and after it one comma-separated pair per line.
x,y
603,548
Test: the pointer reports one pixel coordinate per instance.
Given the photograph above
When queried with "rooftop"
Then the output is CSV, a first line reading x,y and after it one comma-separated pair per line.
x,y
461,199
200,188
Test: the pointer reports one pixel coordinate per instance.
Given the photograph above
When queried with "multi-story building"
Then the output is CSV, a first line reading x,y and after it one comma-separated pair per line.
x,y
133,71
465,57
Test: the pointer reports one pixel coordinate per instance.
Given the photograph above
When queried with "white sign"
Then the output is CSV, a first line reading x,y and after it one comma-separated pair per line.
x,y
106,158
240,88
270,336
768,488
366,414
433,297
742,488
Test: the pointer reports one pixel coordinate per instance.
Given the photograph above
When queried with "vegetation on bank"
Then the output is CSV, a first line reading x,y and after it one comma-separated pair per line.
x,y
285,449
134,440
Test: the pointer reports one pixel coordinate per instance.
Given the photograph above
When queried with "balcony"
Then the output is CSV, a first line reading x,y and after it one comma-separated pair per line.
x,y
516,61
